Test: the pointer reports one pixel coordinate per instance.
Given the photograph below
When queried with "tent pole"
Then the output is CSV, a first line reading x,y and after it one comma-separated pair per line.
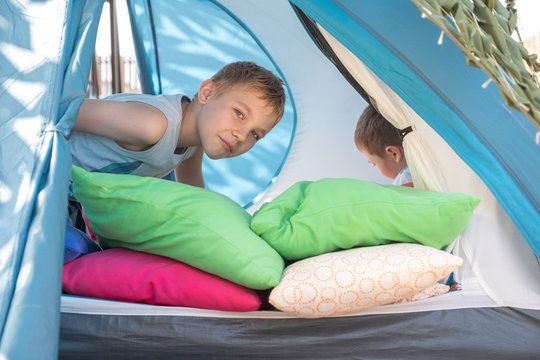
x,y
96,77
115,51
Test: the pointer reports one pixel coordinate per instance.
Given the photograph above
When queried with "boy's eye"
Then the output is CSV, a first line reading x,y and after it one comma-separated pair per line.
x,y
255,135
239,114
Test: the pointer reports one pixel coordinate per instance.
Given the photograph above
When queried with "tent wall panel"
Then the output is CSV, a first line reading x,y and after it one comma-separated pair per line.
x,y
43,77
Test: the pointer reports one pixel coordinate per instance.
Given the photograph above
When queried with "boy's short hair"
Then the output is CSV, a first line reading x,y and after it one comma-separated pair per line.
x,y
374,133
268,85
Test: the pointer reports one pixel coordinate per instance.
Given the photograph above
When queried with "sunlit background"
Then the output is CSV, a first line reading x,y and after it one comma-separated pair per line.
x,y
528,28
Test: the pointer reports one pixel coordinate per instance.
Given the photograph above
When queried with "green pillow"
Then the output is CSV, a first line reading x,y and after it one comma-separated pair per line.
x,y
202,228
312,218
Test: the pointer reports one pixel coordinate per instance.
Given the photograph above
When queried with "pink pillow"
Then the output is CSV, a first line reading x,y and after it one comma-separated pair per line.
x,y
127,275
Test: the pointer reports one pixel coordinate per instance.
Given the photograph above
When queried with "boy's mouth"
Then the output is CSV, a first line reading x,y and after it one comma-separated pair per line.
x,y
226,145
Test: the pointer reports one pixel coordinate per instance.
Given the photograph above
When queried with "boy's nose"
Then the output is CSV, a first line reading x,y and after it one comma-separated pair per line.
x,y
240,134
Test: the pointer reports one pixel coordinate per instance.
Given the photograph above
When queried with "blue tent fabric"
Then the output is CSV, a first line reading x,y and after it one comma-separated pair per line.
x,y
140,15
43,77
497,142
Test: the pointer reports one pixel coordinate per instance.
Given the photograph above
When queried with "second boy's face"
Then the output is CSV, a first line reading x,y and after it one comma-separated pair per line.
x,y
386,163
232,122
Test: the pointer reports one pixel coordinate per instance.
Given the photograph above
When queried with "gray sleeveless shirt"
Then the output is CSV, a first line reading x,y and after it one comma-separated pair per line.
x,y
101,154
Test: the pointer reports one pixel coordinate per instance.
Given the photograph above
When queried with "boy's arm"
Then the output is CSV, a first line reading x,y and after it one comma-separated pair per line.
x,y
134,125
190,170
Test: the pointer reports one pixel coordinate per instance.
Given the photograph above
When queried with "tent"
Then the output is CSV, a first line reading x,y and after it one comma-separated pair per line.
x,y
465,139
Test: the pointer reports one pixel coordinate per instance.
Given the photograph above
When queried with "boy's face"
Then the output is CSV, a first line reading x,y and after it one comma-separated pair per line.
x,y
231,122
389,163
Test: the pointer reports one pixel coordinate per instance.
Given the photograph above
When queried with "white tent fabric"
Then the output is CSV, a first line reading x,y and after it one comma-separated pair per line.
x,y
327,107
399,114
480,243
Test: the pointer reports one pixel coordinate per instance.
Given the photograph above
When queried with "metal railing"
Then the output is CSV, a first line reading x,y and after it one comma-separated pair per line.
x,y
100,84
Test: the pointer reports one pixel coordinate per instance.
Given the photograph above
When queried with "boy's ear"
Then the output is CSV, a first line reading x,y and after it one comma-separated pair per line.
x,y
205,90
396,152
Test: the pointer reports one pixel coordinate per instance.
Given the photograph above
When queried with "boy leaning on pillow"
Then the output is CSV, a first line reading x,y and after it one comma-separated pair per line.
x,y
153,135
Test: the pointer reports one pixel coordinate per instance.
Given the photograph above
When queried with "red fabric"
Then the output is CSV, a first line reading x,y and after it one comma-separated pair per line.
x,y
132,276
92,234
410,184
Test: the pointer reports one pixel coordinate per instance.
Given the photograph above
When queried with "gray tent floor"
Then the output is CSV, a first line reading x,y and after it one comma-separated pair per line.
x,y
470,333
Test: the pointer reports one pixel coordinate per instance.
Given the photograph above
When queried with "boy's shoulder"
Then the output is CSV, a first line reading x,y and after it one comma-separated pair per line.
x,y
145,97
169,105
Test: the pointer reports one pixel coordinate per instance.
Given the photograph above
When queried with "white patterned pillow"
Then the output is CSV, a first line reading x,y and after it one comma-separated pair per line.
x,y
348,281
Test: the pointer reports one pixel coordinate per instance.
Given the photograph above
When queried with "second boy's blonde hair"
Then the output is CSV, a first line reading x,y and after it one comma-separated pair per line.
x,y
374,133
255,77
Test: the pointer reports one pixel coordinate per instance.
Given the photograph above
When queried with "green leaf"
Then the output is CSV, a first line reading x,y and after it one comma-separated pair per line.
x,y
448,5
482,29
512,22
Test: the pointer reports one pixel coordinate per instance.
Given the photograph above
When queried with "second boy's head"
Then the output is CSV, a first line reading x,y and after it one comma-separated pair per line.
x,y
241,103
380,141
